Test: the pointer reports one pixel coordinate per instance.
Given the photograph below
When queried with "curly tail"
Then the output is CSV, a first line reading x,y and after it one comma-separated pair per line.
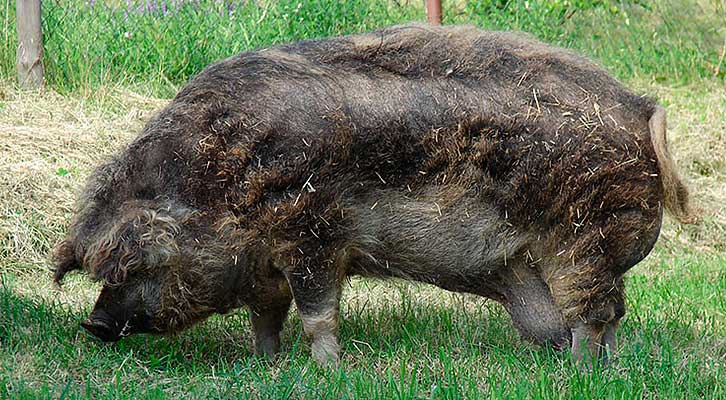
x,y
674,190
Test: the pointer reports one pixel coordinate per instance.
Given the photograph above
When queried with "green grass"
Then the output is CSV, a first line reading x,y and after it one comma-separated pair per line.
x,y
678,42
399,341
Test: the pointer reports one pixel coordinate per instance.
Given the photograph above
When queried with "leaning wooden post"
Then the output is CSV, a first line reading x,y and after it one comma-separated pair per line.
x,y
433,9
30,44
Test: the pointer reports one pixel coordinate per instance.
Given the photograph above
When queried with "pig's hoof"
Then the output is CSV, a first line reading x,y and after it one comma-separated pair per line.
x,y
267,347
593,345
326,352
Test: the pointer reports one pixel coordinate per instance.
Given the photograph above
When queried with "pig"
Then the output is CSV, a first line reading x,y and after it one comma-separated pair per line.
x,y
480,162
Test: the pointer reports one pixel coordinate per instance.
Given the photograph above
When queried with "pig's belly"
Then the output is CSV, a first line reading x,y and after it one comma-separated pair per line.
x,y
459,245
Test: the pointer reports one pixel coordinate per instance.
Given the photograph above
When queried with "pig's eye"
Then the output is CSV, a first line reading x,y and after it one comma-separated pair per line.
x,y
110,284
145,193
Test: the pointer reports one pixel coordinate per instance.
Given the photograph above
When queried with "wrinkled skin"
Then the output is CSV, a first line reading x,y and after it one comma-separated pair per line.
x,y
480,162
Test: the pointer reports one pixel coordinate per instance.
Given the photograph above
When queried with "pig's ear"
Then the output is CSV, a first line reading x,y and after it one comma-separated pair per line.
x,y
111,258
65,261
147,239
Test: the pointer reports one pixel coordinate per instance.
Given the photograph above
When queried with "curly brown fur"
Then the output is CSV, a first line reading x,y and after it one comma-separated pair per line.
x,y
449,155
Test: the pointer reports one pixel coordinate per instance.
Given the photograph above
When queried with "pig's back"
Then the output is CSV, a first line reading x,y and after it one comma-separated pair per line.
x,y
421,76
413,106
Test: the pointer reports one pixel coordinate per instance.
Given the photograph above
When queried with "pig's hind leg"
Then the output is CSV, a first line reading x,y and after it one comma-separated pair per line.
x,y
594,340
534,313
591,300
586,282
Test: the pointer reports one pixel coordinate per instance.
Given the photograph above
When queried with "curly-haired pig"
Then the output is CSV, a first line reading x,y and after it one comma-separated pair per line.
x,y
480,162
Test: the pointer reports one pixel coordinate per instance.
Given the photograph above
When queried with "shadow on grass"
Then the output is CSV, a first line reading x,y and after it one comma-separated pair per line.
x,y
392,348
36,325
387,329
41,326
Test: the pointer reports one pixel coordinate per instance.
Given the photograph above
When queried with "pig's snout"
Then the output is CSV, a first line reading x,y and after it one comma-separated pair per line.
x,y
102,327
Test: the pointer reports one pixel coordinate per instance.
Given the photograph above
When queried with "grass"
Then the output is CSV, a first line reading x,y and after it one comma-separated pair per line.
x,y
678,42
400,340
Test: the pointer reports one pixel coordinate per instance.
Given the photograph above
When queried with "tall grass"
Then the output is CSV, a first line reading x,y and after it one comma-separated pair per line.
x,y
156,49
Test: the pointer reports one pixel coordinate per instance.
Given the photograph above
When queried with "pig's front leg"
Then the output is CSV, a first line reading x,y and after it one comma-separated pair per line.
x,y
267,323
317,297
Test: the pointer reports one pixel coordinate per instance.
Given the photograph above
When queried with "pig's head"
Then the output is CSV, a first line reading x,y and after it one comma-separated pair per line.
x,y
163,264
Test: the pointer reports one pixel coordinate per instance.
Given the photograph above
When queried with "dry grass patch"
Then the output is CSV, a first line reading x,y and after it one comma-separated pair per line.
x,y
49,144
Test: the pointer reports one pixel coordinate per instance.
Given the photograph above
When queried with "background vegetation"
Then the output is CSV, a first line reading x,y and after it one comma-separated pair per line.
x,y
112,64
158,45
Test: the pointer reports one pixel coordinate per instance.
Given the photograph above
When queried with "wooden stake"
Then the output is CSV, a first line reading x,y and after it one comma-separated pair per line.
x,y
433,9
30,44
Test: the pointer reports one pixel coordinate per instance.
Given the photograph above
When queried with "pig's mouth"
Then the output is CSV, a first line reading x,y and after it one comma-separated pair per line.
x,y
107,331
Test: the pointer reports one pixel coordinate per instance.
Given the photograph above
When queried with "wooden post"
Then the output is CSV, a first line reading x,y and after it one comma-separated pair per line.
x,y
30,44
433,9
